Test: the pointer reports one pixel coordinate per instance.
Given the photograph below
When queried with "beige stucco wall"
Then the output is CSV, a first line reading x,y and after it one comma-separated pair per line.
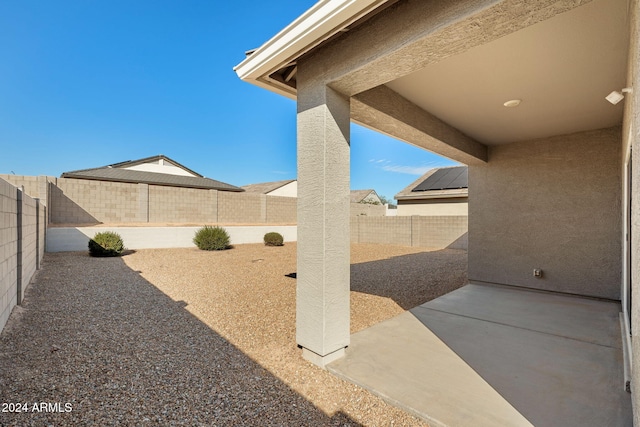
x,y
553,204
631,138
435,207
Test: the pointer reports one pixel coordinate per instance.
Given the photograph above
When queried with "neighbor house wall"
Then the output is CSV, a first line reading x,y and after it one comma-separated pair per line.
x,y
552,204
288,190
434,207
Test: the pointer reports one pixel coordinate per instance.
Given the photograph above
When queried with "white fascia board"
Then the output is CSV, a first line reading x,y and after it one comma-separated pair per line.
x,y
452,194
323,20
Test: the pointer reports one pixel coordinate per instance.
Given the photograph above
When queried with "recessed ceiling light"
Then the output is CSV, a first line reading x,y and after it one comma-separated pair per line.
x,y
512,103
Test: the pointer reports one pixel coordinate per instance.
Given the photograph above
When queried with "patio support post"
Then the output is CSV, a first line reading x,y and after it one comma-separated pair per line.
x,y
323,271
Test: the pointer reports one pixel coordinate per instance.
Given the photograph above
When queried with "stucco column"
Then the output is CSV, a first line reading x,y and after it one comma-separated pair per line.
x,y
322,321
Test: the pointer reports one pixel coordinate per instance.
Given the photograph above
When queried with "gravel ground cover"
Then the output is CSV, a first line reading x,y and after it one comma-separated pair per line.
x,y
186,337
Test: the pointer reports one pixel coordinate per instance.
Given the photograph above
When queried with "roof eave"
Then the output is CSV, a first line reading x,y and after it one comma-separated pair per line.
x,y
150,182
325,19
439,195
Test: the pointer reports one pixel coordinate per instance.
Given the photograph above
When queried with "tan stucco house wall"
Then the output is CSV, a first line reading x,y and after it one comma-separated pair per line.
x,y
436,207
552,204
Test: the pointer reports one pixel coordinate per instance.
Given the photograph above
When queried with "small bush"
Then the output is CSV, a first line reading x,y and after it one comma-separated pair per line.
x,y
106,244
212,238
273,239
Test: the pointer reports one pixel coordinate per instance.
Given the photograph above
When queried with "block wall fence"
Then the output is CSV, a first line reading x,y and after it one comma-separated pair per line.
x,y
22,244
80,203
436,232
88,202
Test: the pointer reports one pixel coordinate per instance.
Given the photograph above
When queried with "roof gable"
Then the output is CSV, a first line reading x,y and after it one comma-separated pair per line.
x,y
159,164
130,173
266,187
358,196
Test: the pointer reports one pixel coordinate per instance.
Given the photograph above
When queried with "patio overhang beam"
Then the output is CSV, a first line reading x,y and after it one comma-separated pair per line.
x,y
384,110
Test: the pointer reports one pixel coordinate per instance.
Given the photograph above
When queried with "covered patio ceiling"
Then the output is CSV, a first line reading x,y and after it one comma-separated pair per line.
x,y
560,68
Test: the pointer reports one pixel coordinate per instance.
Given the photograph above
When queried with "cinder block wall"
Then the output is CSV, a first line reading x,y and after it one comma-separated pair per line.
x,y
34,186
366,209
42,232
82,202
29,220
433,232
440,231
8,250
281,210
389,230
22,219
182,205
78,201
241,208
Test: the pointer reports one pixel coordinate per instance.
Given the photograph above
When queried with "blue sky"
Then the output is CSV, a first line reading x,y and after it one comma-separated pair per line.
x,y
88,83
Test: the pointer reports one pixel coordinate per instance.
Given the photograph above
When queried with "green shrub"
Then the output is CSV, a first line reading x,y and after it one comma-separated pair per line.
x,y
212,238
273,239
106,243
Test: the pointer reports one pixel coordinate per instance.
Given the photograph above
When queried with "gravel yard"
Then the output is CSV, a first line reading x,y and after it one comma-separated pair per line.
x,y
186,337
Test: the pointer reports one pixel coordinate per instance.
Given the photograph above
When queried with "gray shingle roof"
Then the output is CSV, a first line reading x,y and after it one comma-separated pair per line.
x,y
409,193
116,173
266,187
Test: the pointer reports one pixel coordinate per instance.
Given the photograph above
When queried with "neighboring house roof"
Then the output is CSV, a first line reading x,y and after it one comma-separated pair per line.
x,y
129,163
438,183
358,196
117,173
266,187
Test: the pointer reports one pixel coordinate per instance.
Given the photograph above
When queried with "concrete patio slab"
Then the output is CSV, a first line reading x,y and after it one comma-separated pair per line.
x,y
497,356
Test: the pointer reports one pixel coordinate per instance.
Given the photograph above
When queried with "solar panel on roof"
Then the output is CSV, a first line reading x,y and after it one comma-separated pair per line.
x,y
445,179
